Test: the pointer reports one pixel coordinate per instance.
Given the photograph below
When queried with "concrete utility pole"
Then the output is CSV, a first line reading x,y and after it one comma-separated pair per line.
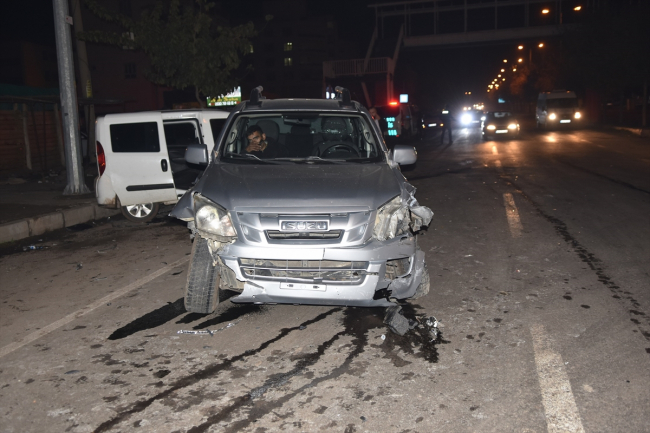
x,y
85,82
74,168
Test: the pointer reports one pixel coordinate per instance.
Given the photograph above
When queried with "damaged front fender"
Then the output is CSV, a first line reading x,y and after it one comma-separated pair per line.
x,y
401,214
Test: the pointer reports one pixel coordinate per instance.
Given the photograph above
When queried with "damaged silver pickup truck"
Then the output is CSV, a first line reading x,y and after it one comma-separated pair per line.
x,y
302,203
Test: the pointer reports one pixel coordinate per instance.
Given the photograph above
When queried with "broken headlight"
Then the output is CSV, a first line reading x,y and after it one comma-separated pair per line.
x,y
212,219
392,220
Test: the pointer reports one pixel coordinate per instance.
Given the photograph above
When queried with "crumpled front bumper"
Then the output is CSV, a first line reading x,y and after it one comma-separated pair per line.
x,y
371,288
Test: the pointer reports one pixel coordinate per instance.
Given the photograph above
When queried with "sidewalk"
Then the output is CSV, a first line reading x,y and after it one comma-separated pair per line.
x,y
33,206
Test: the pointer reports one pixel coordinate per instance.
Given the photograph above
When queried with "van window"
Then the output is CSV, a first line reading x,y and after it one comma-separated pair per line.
x,y
135,137
181,133
216,125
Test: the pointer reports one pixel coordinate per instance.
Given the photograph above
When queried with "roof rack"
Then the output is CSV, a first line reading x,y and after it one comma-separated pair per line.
x,y
256,97
343,95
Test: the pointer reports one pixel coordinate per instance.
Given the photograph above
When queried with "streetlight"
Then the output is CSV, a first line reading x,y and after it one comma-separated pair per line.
x,y
577,8
541,45
520,60
505,60
520,47
499,76
545,11
503,70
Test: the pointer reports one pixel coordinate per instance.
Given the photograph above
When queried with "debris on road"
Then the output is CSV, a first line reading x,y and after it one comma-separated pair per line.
x,y
208,331
79,266
400,325
34,247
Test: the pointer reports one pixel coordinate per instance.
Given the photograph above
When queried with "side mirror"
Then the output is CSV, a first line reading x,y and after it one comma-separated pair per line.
x,y
196,154
404,154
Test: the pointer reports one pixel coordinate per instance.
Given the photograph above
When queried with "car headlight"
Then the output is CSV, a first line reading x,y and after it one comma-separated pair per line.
x,y
577,115
392,220
466,118
211,218
552,116
491,127
512,126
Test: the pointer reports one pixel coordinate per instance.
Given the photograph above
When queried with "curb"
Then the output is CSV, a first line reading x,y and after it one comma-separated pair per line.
x,y
27,227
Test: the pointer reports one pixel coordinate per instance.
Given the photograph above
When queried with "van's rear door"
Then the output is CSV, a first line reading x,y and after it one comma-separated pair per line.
x,y
138,159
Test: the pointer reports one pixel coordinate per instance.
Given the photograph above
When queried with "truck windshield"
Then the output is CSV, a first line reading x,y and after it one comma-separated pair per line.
x,y
562,103
301,137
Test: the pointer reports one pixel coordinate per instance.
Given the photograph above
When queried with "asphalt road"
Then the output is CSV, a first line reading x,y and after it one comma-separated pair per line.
x,y
539,255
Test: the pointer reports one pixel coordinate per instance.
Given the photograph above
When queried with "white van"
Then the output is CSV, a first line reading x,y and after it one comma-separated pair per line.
x,y
141,157
559,107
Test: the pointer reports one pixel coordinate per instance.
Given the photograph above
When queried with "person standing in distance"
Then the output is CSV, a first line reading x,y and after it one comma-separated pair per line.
x,y
446,119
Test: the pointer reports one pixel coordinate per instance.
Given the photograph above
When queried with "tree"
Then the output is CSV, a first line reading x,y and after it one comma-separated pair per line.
x,y
185,46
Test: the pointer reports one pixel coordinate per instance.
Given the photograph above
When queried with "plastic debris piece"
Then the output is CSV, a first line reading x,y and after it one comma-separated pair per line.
x,y
432,326
395,321
302,327
79,266
383,337
210,332
33,247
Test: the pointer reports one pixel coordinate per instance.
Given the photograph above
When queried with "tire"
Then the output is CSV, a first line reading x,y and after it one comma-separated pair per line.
x,y
140,213
425,284
202,289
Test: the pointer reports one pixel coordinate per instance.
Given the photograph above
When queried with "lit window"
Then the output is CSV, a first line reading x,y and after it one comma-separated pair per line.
x,y
288,61
288,46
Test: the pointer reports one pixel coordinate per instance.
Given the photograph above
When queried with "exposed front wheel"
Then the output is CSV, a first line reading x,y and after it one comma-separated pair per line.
x,y
202,289
141,213
425,284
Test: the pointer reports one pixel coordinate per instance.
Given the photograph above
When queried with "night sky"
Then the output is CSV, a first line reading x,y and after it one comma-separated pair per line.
x,y
440,74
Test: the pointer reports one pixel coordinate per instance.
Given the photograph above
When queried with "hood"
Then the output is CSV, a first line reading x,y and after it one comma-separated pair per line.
x,y
299,187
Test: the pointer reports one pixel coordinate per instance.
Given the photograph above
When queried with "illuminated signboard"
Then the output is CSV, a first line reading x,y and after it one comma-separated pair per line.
x,y
404,98
232,98
390,122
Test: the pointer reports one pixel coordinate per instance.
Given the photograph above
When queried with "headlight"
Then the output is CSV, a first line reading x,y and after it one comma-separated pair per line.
x,y
552,116
466,118
512,126
483,118
577,115
212,218
392,220
491,127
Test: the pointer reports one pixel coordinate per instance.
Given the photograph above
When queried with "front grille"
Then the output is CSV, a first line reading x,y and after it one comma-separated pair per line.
x,y
278,235
304,271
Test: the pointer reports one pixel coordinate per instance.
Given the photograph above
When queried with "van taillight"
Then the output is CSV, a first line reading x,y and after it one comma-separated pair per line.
x,y
101,158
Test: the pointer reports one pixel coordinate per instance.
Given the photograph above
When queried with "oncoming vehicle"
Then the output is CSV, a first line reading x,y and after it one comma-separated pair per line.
x,y
141,157
557,108
326,218
498,124
471,117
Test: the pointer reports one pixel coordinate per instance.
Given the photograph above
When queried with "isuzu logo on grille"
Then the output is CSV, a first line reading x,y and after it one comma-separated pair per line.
x,y
303,226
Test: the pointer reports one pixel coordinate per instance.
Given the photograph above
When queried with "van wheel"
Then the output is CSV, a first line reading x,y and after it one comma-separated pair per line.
x,y
202,289
141,213
425,284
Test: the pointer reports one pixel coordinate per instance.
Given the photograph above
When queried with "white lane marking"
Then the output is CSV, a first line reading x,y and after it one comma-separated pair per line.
x,y
559,404
499,166
494,150
513,215
87,309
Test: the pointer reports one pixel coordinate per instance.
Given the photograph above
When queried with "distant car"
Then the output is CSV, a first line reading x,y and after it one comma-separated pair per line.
x,y
141,157
470,118
498,124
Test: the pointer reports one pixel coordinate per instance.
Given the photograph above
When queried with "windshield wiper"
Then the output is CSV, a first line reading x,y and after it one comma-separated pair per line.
x,y
311,159
246,156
